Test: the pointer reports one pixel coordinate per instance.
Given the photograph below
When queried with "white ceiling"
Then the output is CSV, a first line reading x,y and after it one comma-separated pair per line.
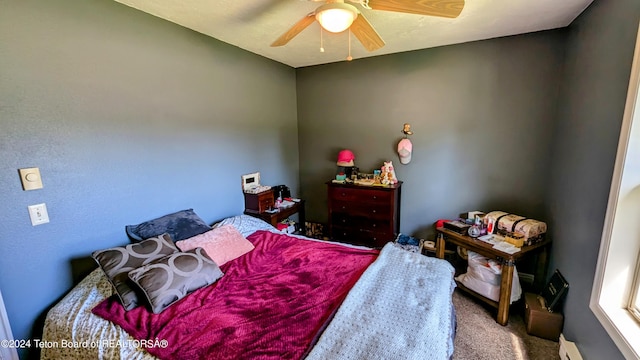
x,y
254,24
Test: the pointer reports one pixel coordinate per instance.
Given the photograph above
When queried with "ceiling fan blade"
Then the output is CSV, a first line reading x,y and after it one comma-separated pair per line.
x,y
367,35
295,30
443,8
257,9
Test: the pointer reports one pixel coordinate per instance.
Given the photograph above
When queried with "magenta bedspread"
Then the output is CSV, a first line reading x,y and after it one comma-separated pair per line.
x,y
270,304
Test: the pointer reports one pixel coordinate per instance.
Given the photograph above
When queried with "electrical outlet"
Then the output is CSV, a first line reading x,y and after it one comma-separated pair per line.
x,y
38,214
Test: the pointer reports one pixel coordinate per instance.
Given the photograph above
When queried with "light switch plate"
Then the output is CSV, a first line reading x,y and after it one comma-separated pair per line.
x,y
38,214
30,178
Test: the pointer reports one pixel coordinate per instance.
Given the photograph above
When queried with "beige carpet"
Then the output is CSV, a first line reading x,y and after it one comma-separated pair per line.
x,y
480,337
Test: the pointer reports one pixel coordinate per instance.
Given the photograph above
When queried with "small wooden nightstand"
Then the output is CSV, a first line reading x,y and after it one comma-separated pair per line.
x,y
283,214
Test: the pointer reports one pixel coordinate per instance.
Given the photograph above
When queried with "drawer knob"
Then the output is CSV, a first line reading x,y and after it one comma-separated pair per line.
x,y
344,221
343,207
374,197
374,225
344,194
374,211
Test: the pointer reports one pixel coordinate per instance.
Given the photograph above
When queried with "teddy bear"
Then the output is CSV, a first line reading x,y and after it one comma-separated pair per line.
x,y
388,175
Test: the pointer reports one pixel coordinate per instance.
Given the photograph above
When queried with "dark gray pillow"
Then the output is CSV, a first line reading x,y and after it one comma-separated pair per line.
x,y
116,263
179,225
173,277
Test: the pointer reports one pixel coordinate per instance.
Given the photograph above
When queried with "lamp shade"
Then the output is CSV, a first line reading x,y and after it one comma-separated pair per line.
x,y
336,17
345,158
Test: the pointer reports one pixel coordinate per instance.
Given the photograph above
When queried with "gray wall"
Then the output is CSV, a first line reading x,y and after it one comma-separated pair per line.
x,y
600,48
482,115
527,124
129,117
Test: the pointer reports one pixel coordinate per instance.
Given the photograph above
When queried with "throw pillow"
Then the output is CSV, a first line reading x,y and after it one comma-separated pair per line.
x,y
222,244
179,225
174,276
116,262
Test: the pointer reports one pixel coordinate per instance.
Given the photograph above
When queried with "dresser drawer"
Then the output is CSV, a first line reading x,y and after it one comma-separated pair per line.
x,y
361,236
378,211
361,222
360,195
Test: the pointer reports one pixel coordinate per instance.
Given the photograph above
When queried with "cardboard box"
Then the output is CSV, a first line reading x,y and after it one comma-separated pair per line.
x,y
540,322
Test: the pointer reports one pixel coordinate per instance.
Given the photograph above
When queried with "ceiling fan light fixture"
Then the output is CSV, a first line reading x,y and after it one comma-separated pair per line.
x,y
336,17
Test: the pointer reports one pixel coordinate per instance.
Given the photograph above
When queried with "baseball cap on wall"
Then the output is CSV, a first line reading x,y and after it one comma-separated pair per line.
x,y
404,151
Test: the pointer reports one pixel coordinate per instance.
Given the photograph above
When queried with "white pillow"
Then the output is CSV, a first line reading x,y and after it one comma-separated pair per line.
x,y
245,224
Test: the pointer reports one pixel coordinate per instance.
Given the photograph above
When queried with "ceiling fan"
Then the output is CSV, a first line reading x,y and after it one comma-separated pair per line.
x,y
337,16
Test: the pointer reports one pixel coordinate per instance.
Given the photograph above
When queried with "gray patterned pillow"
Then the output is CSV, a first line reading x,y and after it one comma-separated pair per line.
x,y
175,276
118,261
245,224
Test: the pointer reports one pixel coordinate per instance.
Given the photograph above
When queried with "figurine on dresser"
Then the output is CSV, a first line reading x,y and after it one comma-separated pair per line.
x,y
388,175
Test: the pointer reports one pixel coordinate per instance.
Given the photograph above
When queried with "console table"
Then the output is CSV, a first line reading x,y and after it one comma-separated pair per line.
x,y
282,214
541,249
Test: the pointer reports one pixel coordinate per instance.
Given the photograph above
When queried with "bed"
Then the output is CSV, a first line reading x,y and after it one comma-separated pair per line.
x,y
290,297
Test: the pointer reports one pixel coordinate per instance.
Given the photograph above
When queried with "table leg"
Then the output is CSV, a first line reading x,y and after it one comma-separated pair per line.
x,y
302,218
440,246
540,278
505,293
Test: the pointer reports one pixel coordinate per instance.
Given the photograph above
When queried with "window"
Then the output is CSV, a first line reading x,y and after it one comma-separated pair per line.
x,y
615,298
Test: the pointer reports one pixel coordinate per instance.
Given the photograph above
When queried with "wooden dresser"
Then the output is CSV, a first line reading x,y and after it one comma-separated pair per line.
x,y
364,215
